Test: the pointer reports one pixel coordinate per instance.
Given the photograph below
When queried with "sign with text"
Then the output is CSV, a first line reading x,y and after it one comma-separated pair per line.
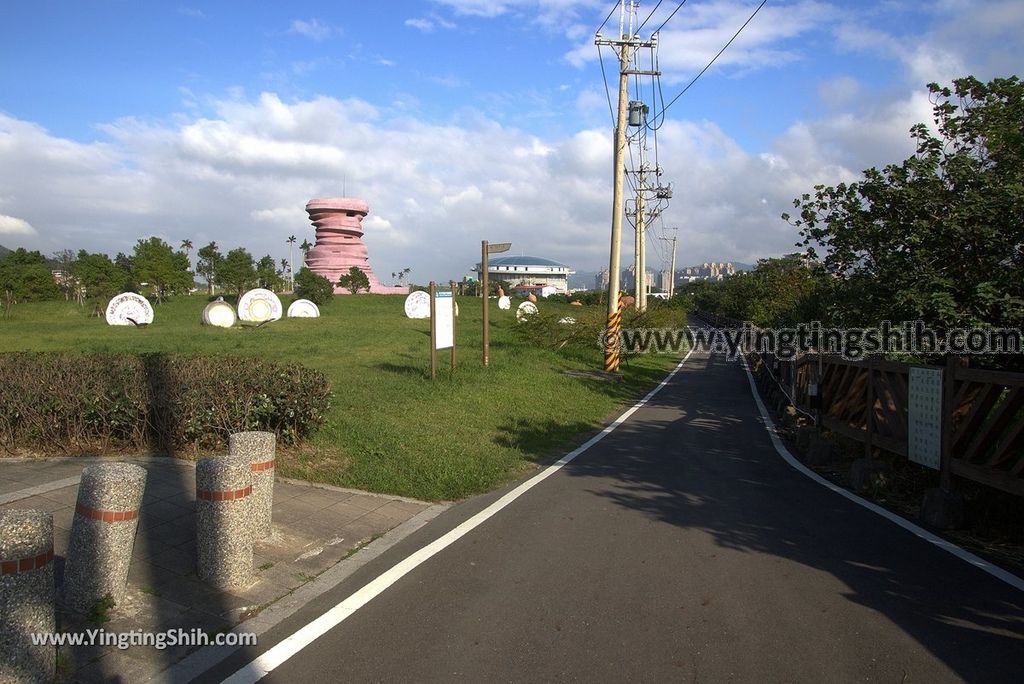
x,y
444,320
924,417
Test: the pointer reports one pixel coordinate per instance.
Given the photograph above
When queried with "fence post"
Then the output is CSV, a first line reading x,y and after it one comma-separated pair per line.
x,y
223,525
103,533
870,409
258,449
27,596
946,438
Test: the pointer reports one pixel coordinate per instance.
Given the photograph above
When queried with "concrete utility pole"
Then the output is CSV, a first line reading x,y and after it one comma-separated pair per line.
x,y
640,257
625,44
672,268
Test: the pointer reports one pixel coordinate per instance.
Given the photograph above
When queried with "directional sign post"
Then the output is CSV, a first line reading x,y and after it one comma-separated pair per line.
x,y
486,249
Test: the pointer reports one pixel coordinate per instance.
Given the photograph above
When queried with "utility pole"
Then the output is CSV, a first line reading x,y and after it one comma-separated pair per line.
x,y
640,259
672,269
625,43
639,267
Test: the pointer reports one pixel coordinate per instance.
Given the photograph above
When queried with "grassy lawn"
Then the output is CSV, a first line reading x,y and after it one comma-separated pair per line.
x,y
390,428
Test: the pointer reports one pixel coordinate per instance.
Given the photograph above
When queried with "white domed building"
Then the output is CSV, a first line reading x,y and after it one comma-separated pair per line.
x,y
529,274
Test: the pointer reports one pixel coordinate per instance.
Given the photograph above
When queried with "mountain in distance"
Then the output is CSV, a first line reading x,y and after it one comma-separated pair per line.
x,y
4,251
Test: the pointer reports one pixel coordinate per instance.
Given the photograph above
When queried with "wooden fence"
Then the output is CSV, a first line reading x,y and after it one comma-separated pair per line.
x,y
982,417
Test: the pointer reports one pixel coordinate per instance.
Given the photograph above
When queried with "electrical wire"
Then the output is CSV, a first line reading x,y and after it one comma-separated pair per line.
x,y
610,13
715,58
638,28
679,7
607,90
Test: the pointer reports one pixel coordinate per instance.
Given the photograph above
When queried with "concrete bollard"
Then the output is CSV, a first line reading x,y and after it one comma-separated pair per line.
x,y
223,521
259,448
27,596
103,534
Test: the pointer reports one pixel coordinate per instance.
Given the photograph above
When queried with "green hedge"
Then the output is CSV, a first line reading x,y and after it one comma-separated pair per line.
x,y
59,402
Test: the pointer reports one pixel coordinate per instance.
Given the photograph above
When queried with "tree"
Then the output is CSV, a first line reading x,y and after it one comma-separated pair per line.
x,y
312,286
165,270
187,246
354,280
940,236
291,257
208,264
26,276
127,266
98,276
66,282
266,274
778,292
285,270
305,247
237,272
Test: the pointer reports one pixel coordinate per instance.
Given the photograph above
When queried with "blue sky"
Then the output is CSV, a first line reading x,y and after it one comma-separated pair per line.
x,y
456,120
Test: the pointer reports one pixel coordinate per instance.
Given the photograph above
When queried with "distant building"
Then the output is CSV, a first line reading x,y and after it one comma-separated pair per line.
x,y
601,280
709,270
536,273
628,280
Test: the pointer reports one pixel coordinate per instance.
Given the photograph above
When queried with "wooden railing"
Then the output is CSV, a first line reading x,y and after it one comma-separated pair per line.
x,y
867,400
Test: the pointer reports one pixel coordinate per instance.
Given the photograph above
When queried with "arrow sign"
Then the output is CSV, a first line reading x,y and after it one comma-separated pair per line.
x,y
499,247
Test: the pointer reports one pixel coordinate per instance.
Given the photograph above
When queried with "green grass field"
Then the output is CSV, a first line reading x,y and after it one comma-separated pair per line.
x,y
390,428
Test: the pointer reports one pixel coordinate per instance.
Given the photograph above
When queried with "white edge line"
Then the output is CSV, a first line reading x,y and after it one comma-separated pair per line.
x,y
282,651
945,545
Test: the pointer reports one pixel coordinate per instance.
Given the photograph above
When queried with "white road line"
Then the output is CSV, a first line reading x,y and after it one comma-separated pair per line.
x,y
962,554
278,654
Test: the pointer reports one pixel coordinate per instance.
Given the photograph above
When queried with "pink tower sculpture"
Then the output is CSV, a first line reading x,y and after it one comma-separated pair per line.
x,y
339,242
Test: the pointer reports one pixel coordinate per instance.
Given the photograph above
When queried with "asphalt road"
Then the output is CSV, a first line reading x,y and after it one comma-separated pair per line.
x,y
681,547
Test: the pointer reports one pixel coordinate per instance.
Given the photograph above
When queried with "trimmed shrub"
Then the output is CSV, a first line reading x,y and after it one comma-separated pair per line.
x,y
58,402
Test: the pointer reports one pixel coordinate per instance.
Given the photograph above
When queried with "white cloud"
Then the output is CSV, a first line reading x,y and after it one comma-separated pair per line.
x,y
424,25
839,92
11,225
691,38
553,15
429,24
242,174
239,169
313,29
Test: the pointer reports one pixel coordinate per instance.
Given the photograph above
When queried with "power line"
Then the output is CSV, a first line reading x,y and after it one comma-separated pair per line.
x,y
713,59
607,91
610,13
679,7
638,28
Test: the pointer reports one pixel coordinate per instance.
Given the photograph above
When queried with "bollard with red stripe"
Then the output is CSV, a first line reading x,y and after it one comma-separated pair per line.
x,y
223,521
26,596
260,449
103,534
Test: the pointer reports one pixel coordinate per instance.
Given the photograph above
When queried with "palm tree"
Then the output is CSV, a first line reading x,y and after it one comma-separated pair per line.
x,y
187,246
305,247
291,259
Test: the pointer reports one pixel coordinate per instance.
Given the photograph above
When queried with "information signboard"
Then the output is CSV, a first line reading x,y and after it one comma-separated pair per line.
x,y
444,313
924,417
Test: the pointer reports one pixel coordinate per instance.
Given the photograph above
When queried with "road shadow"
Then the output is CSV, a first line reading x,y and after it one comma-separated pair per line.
x,y
698,457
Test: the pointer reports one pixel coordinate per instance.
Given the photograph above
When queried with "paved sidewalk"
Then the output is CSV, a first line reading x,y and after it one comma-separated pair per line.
x,y
314,528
